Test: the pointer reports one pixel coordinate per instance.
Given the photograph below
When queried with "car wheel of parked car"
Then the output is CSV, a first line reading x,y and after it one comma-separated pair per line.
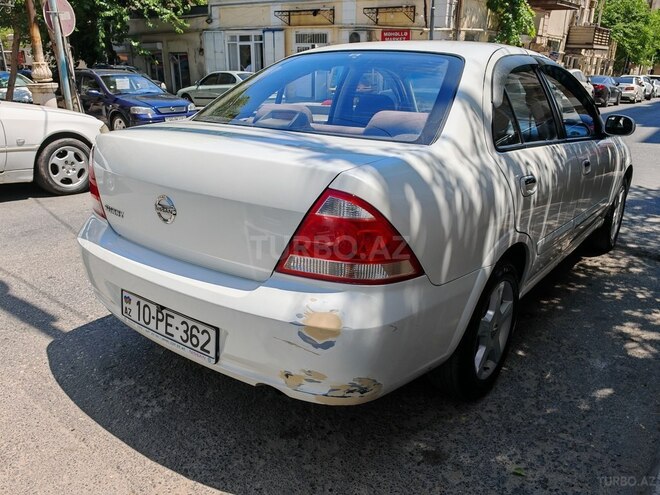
x,y
618,100
62,166
473,368
186,96
119,122
604,239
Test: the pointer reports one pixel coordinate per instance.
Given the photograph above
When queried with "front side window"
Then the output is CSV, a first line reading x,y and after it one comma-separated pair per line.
x,y
530,105
209,80
576,119
399,96
88,83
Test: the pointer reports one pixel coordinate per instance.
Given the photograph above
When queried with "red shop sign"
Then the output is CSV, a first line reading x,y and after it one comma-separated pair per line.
x,y
395,35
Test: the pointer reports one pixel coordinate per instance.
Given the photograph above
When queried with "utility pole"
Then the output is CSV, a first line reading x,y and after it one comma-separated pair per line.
x,y
432,20
62,64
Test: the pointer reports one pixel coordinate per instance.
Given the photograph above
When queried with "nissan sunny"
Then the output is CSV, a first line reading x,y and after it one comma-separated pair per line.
x,y
353,217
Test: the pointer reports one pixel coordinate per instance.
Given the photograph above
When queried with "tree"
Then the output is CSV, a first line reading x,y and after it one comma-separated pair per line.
x,y
631,23
514,18
101,23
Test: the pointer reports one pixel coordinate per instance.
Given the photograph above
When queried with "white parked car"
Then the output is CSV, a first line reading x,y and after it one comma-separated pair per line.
x,y
211,86
355,216
584,80
48,145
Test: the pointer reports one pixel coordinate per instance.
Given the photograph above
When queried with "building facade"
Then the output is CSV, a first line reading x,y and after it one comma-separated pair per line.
x,y
252,34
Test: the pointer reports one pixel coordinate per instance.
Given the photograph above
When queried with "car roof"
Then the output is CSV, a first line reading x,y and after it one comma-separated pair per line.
x,y
473,51
107,72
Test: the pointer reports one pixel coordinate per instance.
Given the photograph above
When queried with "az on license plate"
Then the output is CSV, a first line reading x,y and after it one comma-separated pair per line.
x,y
187,332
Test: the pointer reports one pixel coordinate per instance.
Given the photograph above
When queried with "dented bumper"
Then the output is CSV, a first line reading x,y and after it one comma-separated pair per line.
x,y
316,341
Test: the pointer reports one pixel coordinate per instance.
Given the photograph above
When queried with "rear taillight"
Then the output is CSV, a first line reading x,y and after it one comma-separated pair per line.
x,y
599,86
345,239
630,88
97,206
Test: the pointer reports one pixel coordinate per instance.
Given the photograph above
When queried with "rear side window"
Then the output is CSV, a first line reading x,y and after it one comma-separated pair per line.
x,y
530,105
386,95
505,130
225,78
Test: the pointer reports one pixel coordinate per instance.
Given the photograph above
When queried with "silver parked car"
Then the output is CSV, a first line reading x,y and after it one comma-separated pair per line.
x,y
211,86
22,93
655,80
632,88
355,216
584,80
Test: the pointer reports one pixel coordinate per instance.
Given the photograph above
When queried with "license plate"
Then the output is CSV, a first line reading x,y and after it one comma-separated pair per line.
x,y
195,336
170,119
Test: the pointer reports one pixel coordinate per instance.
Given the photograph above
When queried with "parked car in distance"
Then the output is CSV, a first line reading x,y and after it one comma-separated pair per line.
x,y
335,239
211,86
632,88
124,99
648,87
606,90
22,93
48,145
584,80
655,80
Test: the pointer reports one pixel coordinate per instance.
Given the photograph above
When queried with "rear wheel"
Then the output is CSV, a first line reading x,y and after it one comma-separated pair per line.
x,y
618,100
473,368
605,237
62,166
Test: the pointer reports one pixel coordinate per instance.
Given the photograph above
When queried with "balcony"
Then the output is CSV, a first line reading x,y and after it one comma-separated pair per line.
x,y
555,4
588,38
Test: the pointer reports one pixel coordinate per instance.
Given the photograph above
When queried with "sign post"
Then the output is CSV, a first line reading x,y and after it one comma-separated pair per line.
x,y
61,19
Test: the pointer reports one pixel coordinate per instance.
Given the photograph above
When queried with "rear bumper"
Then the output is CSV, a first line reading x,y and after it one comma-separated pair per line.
x,y
318,342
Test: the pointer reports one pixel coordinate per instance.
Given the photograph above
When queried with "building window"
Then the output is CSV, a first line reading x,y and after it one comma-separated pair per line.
x,y
245,51
180,71
307,41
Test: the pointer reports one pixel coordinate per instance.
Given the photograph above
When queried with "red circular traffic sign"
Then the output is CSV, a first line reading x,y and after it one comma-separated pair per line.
x,y
66,14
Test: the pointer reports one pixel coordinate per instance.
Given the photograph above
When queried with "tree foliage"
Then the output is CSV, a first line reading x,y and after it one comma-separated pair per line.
x,y
514,19
102,23
635,28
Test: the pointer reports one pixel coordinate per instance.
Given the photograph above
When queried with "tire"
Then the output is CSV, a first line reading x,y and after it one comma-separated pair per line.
x,y
604,238
618,100
186,96
472,369
606,102
62,167
118,122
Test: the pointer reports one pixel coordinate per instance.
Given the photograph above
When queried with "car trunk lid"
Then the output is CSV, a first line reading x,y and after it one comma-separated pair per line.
x,y
224,198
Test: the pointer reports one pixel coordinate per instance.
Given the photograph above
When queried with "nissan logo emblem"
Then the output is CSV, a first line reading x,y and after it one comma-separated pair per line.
x,y
165,209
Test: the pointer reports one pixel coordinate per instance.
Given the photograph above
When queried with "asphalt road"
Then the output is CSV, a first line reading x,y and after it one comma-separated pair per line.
x,y
89,406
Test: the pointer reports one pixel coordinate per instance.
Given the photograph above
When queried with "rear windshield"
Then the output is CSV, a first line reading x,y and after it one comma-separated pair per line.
x,y
386,95
628,80
599,79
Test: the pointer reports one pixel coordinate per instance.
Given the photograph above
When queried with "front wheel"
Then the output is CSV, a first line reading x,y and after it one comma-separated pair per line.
x,y
118,122
474,366
62,166
604,238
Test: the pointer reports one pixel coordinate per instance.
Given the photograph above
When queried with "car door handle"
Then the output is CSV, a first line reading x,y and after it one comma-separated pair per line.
x,y
586,167
528,185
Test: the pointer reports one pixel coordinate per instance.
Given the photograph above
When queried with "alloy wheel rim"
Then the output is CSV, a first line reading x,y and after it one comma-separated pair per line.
x,y
67,166
118,124
494,330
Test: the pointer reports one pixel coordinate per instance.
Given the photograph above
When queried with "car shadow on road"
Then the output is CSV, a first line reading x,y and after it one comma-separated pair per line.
x,y
17,192
586,335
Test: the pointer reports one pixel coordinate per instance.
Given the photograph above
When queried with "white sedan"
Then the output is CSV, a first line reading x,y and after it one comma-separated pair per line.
x,y
211,86
48,145
353,217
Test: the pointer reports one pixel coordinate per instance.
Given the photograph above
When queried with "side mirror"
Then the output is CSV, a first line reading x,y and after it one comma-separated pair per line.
x,y
589,80
617,83
619,125
94,93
